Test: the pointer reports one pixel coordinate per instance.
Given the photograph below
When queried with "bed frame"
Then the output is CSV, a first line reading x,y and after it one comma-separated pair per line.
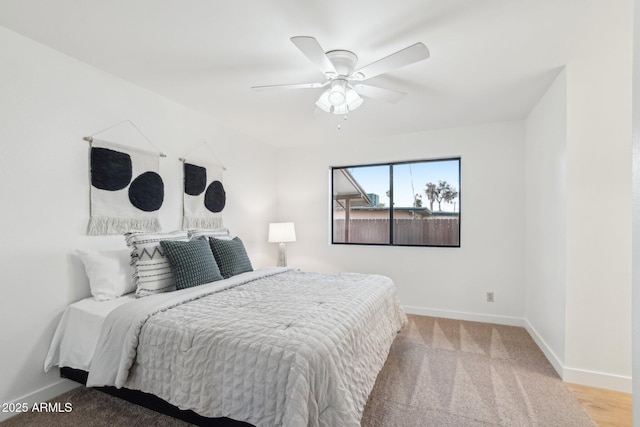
x,y
153,402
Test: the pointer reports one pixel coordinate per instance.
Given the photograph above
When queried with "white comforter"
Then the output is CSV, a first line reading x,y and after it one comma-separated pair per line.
x,y
272,347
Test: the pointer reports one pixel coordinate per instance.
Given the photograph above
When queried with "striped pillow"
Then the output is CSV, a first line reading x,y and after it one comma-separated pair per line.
x,y
152,271
192,262
218,233
231,256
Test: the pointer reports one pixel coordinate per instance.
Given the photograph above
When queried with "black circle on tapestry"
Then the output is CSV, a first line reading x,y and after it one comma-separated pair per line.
x,y
110,170
195,179
215,197
146,192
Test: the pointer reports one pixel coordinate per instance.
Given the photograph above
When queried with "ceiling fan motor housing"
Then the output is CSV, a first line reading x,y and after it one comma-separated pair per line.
x,y
343,61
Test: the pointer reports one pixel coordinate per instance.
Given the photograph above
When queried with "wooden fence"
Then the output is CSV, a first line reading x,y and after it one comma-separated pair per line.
x,y
438,231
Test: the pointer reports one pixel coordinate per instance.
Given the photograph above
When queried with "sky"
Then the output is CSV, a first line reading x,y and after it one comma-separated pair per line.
x,y
409,179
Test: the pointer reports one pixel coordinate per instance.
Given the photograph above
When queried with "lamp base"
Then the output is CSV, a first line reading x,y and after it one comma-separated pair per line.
x,y
282,255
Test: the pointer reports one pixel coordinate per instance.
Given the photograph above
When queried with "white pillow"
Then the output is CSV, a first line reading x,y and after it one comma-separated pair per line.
x,y
109,271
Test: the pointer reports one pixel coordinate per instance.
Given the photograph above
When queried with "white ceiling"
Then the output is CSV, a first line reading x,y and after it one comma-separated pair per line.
x,y
491,60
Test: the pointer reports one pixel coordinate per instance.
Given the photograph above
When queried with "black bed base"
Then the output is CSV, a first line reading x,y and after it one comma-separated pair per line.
x,y
153,402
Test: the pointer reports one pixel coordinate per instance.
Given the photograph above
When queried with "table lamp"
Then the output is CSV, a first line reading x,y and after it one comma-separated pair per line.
x,y
281,232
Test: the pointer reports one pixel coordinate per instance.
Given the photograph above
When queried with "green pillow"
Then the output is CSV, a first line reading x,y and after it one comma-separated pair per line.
x,y
192,262
231,256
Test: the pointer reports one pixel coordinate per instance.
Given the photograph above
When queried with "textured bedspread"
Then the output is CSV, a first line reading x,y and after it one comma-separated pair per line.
x,y
276,349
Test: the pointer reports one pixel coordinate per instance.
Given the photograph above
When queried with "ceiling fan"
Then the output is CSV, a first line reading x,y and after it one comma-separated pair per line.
x,y
344,81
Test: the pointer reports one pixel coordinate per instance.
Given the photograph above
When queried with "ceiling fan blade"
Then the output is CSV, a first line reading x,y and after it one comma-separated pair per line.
x,y
401,58
293,86
312,50
387,95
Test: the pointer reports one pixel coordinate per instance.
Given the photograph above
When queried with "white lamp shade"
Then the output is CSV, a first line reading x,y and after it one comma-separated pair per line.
x,y
323,102
353,99
340,109
337,95
280,232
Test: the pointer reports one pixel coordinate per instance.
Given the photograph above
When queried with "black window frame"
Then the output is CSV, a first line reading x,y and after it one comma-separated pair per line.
x,y
391,202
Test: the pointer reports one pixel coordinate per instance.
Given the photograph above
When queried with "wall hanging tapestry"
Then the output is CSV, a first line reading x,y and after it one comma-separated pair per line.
x,y
204,196
126,189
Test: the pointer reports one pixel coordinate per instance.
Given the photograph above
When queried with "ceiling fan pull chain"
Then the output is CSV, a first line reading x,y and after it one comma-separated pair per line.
x,y
340,125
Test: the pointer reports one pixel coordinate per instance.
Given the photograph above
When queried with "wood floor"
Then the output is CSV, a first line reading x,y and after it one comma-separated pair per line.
x,y
607,408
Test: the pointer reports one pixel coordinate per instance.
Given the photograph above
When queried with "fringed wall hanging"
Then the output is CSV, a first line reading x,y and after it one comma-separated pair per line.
x,y
204,195
126,189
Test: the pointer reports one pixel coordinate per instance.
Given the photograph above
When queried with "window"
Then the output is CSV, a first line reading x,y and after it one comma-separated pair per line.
x,y
414,203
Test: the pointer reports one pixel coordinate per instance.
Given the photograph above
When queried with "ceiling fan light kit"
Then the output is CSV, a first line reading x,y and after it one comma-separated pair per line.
x,y
338,67
349,100
337,93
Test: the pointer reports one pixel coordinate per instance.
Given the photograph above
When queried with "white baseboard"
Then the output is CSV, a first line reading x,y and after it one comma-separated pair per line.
x,y
42,395
598,379
461,315
546,350
580,376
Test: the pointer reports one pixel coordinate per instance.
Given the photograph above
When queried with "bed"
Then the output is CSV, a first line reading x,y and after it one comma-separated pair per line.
x,y
270,347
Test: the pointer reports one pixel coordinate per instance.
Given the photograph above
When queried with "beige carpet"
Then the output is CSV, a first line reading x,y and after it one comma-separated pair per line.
x,y
439,373
443,372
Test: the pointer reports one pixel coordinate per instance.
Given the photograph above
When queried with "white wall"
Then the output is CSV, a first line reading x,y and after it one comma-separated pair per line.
x,y
546,195
598,322
48,103
437,281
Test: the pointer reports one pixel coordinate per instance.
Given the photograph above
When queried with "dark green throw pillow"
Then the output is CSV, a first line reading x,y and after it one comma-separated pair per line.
x,y
192,262
231,256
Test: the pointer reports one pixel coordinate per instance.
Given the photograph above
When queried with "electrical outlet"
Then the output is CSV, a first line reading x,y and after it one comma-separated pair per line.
x,y
489,296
